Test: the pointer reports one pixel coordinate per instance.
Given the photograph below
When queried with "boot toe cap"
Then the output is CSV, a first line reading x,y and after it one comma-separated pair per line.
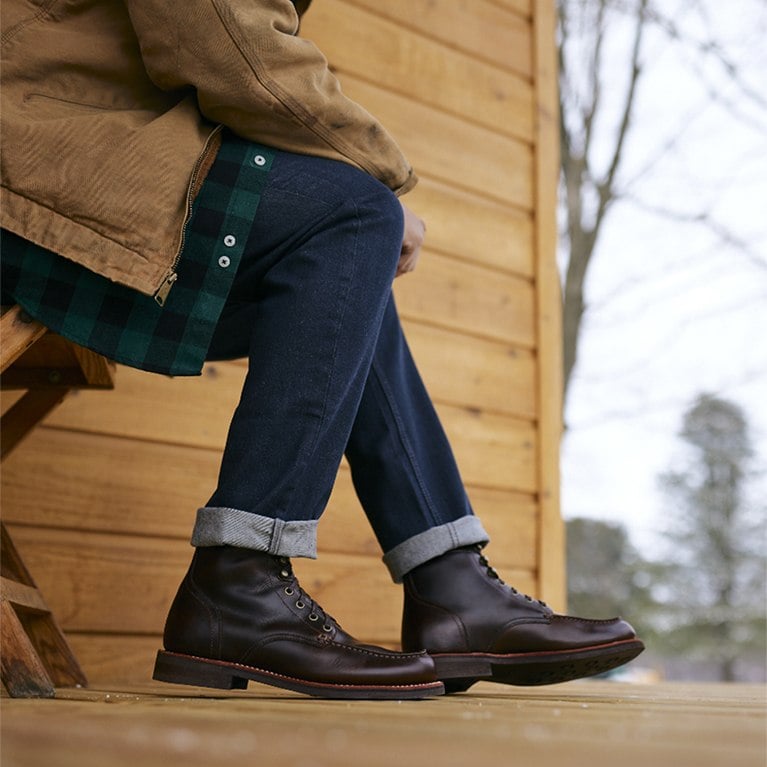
x,y
564,632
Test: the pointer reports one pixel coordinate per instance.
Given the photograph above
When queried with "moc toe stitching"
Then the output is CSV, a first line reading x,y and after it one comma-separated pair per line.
x,y
592,621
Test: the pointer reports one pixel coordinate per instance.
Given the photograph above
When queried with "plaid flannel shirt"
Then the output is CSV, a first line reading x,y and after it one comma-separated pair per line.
x,y
133,328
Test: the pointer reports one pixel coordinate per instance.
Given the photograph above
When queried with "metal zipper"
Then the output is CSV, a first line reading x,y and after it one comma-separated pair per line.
x,y
161,294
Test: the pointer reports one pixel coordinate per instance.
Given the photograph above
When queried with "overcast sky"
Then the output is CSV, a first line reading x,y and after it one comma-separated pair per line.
x,y
675,310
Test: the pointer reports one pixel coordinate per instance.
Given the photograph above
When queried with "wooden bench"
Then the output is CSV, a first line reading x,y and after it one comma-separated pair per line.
x,y
34,654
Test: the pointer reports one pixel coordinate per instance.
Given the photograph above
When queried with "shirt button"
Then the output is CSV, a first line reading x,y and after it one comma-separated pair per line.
x,y
224,262
230,240
259,160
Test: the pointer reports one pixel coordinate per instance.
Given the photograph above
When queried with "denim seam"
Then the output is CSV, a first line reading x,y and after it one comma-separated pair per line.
x,y
276,535
391,402
339,324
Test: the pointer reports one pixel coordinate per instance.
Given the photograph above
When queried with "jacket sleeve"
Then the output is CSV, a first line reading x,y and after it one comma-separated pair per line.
x,y
253,74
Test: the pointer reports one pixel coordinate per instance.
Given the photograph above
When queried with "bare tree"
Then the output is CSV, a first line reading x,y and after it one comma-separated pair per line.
x,y
599,90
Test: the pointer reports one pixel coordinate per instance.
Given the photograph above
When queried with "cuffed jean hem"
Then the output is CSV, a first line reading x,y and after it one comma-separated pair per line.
x,y
431,543
233,527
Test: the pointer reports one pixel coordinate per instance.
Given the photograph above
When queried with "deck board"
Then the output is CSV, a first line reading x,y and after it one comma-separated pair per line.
x,y
595,723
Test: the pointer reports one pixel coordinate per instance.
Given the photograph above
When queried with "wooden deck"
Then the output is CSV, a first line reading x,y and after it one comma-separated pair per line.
x,y
583,724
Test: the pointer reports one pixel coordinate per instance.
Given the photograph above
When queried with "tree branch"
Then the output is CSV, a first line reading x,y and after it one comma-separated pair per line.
x,y
605,187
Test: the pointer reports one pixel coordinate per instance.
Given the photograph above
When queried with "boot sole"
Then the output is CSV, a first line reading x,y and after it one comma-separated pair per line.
x,y
201,672
459,671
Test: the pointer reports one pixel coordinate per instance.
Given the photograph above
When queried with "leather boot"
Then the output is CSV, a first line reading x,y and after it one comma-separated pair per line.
x,y
475,627
241,615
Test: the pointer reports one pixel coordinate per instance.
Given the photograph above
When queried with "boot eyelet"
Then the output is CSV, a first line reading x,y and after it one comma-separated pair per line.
x,y
326,627
300,605
314,617
284,574
289,591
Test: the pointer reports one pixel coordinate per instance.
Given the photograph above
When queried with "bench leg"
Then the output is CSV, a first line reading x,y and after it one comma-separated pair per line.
x,y
35,654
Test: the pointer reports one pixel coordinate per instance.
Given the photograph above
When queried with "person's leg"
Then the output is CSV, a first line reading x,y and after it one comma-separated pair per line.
x,y
306,307
309,298
455,606
402,464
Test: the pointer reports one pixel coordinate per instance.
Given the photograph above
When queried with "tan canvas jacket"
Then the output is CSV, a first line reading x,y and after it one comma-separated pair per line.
x,y
110,110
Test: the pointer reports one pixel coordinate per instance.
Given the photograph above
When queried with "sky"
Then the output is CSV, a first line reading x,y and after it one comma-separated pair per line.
x,y
675,309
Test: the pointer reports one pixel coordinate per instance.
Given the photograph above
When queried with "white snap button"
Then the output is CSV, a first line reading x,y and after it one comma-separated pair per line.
x,y
224,261
230,240
259,160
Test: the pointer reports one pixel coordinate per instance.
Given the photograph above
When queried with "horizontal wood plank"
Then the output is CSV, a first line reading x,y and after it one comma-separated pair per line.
x,y
159,408
103,483
599,723
447,148
421,69
99,483
105,583
492,449
474,228
466,298
489,32
522,7
115,658
474,372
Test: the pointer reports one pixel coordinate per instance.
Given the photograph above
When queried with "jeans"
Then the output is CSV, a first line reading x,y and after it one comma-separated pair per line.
x,y
329,373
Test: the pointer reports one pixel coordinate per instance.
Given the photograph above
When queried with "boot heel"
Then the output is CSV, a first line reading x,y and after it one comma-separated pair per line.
x,y
183,669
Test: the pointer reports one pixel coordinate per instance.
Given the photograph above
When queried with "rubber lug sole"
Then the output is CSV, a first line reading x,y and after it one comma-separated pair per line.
x,y
459,671
201,672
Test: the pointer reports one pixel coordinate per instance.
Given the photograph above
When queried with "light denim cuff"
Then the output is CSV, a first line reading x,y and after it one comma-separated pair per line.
x,y
232,527
431,543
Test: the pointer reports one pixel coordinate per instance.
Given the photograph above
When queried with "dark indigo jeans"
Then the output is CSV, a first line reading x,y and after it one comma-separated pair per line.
x,y
329,372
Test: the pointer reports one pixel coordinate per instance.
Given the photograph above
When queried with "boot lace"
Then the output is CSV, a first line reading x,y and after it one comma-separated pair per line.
x,y
491,573
303,600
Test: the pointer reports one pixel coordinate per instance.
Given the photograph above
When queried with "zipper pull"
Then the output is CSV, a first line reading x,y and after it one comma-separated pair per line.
x,y
161,295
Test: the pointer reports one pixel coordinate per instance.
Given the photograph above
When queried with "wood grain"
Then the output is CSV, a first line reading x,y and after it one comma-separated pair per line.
x,y
465,225
489,32
598,723
423,70
447,148
462,297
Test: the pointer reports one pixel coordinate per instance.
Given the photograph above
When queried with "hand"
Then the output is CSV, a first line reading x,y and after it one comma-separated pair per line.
x,y
412,239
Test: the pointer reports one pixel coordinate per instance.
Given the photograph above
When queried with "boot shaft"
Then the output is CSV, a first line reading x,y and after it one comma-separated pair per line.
x,y
230,594
454,604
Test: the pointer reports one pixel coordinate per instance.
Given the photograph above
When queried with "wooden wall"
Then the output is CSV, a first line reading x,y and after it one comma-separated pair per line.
x,y
101,499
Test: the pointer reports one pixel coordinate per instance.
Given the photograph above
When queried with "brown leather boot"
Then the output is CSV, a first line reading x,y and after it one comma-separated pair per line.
x,y
475,627
241,615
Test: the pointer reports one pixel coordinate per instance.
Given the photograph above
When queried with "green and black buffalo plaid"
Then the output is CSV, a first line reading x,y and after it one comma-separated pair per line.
x,y
128,326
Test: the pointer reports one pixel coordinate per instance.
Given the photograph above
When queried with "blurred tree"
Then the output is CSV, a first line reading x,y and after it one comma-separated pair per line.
x,y
714,587
606,575
599,558
606,49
